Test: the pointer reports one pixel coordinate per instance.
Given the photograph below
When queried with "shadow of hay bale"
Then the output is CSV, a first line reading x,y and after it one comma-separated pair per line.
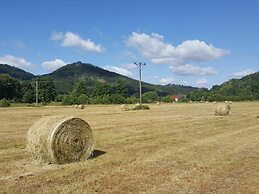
x,y
97,153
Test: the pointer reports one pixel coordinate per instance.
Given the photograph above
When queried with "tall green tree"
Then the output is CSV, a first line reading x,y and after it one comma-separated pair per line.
x,y
46,88
150,96
80,87
9,87
101,89
28,93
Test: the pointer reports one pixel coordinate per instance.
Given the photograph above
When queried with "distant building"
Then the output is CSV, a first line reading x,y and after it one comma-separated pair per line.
x,y
175,98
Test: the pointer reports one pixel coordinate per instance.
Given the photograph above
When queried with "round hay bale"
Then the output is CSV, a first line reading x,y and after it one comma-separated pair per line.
x,y
125,107
76,106
60,140
141,107
81,106
223,110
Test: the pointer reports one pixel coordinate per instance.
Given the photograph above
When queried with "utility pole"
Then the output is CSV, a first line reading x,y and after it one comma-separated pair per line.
x,y
36,92
140,66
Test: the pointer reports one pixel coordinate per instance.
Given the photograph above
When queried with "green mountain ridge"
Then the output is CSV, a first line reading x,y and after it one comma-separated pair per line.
x,y
15,72
67,76
92,74
245,88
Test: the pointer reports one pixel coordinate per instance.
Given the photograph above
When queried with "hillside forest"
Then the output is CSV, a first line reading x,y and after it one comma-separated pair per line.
x,y
94,85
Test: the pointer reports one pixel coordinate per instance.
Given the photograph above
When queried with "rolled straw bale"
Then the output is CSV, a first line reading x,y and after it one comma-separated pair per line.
x,y
81,106
76,105
125,107
223,110
60,140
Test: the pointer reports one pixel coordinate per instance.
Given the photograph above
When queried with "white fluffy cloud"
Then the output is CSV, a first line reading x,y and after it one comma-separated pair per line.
x,y
70,39
189,69
53,65
166,80
130,66
157,51
243,73
16,61
201,83
119,70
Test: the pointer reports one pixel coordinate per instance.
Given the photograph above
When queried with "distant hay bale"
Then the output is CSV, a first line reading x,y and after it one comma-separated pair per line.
x,y
230,102
223,110
125,107
141,107
158,103
207,102
76,106
214,102
81,106
60,140
137,104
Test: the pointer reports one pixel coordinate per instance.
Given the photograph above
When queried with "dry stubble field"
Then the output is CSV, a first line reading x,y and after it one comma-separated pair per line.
x,y
172,148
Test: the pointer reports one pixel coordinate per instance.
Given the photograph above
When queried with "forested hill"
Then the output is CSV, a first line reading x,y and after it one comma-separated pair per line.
x,y
246,88
68,75
15,72
66,80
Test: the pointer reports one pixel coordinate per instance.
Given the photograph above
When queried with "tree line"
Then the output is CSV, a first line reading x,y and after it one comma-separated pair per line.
x,y
87,91
82,92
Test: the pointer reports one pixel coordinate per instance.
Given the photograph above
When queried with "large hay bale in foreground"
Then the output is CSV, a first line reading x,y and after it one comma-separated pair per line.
x,y
60,140
223,110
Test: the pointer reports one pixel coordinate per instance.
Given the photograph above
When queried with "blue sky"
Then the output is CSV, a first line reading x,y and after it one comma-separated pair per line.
x,y
190,42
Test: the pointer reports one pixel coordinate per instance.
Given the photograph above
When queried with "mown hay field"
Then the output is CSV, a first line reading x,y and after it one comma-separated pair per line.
x,y
171,148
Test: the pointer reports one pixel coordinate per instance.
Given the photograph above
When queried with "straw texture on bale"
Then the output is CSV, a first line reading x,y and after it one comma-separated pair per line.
x,y
223,110
60,140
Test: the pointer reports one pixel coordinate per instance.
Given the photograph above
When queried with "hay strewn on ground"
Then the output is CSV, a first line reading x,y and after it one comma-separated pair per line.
x,y
60,139
173,148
